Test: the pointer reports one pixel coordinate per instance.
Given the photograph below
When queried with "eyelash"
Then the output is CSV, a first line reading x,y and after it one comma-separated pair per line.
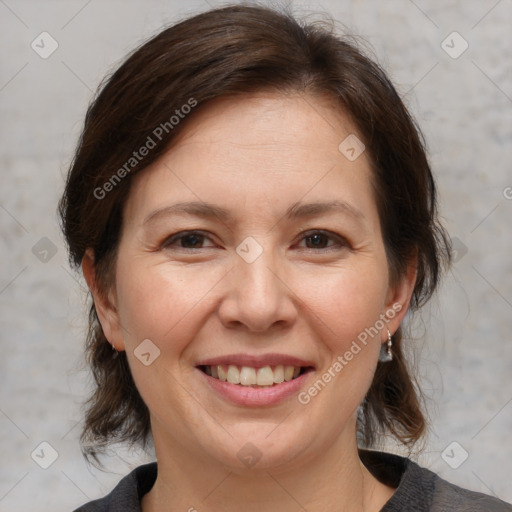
x,y
341,242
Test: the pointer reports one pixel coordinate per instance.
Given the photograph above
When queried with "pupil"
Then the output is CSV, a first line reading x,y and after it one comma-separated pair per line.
x,y
191,240
317,240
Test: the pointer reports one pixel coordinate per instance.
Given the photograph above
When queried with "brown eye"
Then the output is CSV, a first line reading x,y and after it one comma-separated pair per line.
x,y
317,241
191,241
186,240
323,240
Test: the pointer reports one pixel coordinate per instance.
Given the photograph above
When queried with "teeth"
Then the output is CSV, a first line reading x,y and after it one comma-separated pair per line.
x,y
279,374
233,374
265,376
288,373
248,376
222,373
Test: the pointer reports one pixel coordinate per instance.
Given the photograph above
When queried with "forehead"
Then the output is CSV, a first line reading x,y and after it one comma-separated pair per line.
x,y
258,148
264,119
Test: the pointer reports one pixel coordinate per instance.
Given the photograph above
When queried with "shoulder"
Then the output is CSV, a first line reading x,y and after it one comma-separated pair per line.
x,y
126,496
448,496
421,490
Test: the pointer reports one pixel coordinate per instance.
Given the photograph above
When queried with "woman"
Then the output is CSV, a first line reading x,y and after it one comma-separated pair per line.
x,y
253,210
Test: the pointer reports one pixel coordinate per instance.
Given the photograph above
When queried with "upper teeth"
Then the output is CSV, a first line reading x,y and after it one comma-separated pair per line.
x,y
247,376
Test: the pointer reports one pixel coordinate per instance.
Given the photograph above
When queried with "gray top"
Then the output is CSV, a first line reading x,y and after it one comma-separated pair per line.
x,y
417,489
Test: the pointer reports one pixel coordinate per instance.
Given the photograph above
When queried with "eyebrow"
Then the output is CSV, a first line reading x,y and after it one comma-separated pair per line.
x,y
196,208
301,210
297,210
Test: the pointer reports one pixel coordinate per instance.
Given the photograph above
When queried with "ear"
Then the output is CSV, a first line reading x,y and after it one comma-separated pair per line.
x,y
104,302
399,298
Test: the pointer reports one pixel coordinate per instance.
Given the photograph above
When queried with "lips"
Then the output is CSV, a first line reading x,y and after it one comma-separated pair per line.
x,y
255,370
256,380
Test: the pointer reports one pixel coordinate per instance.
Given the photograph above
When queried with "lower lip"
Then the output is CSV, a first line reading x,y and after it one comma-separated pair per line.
x,y
256,397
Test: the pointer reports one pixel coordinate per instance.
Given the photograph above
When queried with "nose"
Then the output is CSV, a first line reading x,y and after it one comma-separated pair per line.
x,y
258,297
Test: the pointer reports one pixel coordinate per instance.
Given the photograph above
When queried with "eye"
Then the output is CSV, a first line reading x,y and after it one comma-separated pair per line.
x,y
186,240
323,240
316,240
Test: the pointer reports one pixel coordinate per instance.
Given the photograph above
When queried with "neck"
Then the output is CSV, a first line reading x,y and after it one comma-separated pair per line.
x,y
332,481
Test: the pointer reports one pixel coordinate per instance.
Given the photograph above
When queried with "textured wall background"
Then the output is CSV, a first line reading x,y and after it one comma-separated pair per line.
x,y
463,102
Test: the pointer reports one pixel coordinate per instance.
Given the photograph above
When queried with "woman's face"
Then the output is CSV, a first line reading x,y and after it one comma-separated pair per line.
x,y
254,242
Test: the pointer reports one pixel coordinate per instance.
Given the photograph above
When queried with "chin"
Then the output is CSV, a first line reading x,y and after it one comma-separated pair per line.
x,y
261,446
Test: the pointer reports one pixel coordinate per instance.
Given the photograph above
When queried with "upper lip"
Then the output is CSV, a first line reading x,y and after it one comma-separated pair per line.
x,y
255,361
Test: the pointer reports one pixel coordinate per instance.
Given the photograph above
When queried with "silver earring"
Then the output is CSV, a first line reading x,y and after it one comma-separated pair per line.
x,y
385,353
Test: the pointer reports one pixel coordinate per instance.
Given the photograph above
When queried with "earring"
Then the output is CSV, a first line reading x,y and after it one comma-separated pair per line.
x,y
385,353
115,352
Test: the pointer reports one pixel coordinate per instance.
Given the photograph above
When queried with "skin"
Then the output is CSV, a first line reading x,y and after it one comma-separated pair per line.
x,y
254,155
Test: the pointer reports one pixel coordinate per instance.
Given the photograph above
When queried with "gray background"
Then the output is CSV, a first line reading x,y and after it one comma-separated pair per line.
x,y
464,106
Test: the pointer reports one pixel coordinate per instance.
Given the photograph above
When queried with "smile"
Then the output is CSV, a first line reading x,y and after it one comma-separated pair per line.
x,y
250,386
266,376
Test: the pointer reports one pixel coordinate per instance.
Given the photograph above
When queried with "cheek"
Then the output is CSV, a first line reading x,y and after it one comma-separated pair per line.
x,y
346,301
160,302
343,305
163,303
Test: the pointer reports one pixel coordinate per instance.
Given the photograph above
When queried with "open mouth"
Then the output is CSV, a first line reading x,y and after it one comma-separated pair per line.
x,y
264,377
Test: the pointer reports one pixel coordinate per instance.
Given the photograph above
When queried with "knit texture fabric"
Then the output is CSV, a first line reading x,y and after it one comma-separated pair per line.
x,y
417,489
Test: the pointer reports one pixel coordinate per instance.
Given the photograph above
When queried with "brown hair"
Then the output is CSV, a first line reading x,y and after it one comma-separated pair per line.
x,y
236,50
